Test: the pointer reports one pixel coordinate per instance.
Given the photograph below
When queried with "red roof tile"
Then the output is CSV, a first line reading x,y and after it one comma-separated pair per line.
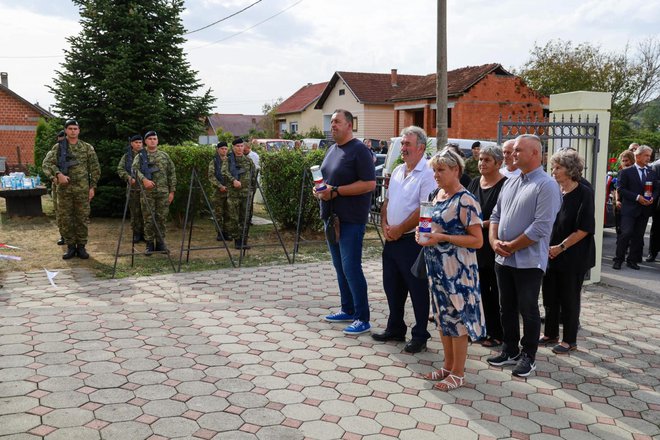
x,y
237,124
303,98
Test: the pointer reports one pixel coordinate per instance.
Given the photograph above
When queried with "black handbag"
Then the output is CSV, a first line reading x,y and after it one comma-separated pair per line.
x,y
332,228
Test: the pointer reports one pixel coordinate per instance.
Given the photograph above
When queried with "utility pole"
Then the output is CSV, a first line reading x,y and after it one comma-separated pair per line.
x,y
441,76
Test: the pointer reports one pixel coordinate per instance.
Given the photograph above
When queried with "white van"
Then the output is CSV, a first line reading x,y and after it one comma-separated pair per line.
x,y
394,151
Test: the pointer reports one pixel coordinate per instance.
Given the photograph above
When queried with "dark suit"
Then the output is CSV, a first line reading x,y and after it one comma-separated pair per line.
x,y
634,216
654,241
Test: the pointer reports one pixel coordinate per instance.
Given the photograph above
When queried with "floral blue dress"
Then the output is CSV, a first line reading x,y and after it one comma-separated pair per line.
x,y
453,271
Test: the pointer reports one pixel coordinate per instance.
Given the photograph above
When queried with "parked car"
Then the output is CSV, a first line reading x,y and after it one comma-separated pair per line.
x,y
321,143
275,144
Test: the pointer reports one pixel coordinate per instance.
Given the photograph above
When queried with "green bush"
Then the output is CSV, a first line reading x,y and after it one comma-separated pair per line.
x,y
281,174
45,138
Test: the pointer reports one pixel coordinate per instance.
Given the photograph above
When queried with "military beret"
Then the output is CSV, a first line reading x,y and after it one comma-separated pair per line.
x,y
221,144
149,134
136,137
237,141
70,122
61,134
477,144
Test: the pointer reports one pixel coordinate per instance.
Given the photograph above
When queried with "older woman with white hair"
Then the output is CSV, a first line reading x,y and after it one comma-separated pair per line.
x,y
451,261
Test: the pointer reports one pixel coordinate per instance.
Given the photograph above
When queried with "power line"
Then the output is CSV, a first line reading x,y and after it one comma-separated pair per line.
x,y
223,19
30,57
251,27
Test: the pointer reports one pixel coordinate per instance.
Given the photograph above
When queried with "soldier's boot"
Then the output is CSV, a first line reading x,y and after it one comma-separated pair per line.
x,y
241,244
61,241
137,237
82,252
70,252
150,248
160,246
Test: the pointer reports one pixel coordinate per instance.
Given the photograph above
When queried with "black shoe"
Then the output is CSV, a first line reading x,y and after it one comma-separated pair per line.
x,y
70,252
632,265
388,336
240,244
160,247
150,249
503,358
415,346
82,253
616,265
525,366
137,238
651,257
61,241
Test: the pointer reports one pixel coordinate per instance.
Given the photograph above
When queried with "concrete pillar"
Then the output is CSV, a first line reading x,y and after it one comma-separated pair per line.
x,y
590,104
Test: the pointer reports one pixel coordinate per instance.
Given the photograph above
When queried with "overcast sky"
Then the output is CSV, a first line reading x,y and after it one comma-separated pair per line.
x,y
313,38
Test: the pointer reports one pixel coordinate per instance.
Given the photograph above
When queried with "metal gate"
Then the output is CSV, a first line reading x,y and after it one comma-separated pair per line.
x,y
580,135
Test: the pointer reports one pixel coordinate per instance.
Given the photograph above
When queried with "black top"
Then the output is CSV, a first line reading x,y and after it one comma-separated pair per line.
x,y
465,180
487,199
576,212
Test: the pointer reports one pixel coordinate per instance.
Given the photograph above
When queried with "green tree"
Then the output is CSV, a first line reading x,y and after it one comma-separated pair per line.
x,y
125,72
270,121
560,66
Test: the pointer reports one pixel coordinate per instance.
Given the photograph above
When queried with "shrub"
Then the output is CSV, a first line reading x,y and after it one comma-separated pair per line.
x,y
281,174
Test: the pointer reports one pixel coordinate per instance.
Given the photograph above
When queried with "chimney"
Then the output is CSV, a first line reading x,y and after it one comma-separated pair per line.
x,y
394,78
4,79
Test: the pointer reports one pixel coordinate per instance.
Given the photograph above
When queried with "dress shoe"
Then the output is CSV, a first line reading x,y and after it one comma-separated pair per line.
x,y
61,241
632,265
150,249
616,265
82,253
651,257
70,252
388,336
415,346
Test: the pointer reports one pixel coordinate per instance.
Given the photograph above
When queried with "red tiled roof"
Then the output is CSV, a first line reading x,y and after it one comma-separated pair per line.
x,y
303,98
39,109
369,88
237,124
459,81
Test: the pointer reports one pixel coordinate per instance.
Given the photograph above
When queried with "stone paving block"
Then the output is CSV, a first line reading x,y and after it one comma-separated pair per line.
x,y
196,388
126,430
17,423
220,421
147,377
67,417
262,416
249,400
155,392
11,361
610,432
519,424
207,404
638,426
488,428
16,388
17,404
164,408
120,412
321,430
279,433
111,396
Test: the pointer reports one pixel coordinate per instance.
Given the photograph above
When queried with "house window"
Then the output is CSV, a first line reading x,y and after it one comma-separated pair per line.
x,y
449,117
355,123
342,92
293,127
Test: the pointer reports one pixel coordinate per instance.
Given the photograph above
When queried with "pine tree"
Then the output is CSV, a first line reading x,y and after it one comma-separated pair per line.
x,y
126,73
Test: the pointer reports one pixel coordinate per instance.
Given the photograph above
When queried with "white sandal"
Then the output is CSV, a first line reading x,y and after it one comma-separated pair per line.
x,y
450,382
437,374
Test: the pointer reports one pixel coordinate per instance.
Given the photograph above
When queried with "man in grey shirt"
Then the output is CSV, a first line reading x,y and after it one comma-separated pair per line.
x,y
520,229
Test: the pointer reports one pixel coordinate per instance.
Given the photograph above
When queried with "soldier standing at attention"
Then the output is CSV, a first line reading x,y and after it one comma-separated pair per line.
x,y
126,173
238,171
75,166
156,171
53,188
216,178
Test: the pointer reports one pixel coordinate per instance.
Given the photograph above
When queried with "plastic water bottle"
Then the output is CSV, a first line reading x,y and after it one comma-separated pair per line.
x,y
425,220
317,176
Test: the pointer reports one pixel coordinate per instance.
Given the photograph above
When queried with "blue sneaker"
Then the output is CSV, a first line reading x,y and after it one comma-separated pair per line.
x,y
339,317
357,328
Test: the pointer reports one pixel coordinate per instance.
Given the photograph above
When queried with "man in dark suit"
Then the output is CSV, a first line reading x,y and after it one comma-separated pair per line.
x,y
654,241
636,208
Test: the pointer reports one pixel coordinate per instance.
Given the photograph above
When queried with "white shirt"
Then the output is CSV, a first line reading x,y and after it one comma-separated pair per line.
x,y
254,157
509,174
406,192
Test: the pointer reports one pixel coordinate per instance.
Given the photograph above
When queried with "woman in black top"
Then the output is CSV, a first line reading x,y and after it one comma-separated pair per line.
x,y
486,189
572,252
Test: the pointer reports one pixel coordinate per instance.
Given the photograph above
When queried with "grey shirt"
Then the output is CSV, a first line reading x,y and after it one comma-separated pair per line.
x,y
528,204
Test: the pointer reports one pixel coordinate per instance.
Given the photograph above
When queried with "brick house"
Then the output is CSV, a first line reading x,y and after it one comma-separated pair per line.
x,y
477,96
367,96
237,124
297,113
18,126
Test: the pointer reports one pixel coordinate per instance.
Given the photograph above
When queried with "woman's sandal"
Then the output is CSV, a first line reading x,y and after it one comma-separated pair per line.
x,y
490,342
437,374
450,382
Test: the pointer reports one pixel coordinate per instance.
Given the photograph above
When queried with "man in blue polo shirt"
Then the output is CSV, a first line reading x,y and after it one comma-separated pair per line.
x,y
350,177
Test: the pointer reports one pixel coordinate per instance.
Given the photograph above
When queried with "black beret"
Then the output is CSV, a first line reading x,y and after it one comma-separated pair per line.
x,y
221,144
477,144
136,137
70,122
61,134
237,141
149,134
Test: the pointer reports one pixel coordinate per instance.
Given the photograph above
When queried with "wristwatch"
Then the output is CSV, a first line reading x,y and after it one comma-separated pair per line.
x,y
562,246
335,189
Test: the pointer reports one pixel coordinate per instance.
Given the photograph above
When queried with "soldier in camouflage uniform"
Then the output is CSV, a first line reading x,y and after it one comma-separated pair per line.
x,y
220,192
472,164
239,172
156,171
76,167
53,188
125,171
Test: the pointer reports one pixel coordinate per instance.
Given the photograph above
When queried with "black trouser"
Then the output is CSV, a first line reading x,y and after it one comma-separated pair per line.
x,y
519,293
561,295
632,232
654,241
490,299
398,257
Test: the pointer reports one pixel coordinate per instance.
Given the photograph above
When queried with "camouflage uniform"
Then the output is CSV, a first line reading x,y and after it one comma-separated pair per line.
x,y
472,167
220,206
73,199
156,198
237,197
137,222
53,189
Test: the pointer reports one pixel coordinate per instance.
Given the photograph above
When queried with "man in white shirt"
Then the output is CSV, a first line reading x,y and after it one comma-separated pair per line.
x,y
410,184
509,169
254,157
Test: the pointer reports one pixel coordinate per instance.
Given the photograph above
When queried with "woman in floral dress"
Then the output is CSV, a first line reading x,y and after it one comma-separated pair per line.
x,y
451,261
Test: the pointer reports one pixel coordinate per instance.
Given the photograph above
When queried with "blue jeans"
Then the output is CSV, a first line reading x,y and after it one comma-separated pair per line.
x,y
347,259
